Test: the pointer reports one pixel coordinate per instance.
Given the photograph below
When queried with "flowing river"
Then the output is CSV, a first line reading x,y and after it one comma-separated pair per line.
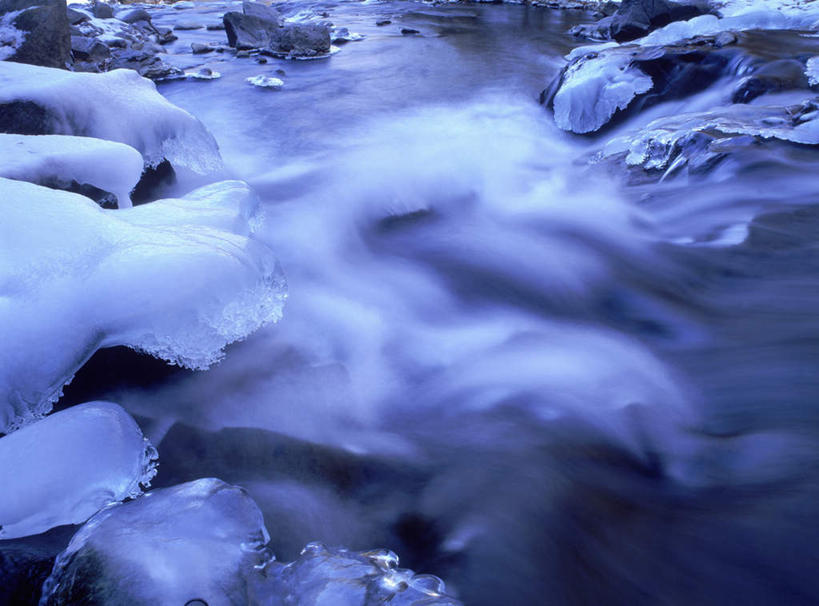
x,y
533,374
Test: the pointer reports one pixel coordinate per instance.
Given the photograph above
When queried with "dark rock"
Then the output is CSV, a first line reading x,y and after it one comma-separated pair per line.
x,y
281,72
260,27
261,60
89,49
155,181
215,27
25,563
134,15
247,32
635,18
261,11
26,118
47,37
75,17
383,22
302,40
200,49
101,10
408,31
165,36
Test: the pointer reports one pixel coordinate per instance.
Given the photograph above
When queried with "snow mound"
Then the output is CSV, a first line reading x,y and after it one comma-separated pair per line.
x,y
199,542
595,87
118,106
178,279
68,466
57,160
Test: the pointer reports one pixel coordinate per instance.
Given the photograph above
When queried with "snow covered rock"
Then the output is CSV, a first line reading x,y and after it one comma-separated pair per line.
x,y
337,577
65,162
68,466
178,279
116,106
263,81
200,542
36,32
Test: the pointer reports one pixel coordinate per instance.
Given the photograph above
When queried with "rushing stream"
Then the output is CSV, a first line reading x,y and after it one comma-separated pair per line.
x,y
524,369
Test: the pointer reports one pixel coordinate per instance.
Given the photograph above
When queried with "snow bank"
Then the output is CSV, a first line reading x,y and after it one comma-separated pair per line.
x,y
199,541
57,160
595,87
68,466
117,106
178,279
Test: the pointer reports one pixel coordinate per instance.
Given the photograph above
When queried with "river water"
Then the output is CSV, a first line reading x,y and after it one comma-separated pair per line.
x,y
544,381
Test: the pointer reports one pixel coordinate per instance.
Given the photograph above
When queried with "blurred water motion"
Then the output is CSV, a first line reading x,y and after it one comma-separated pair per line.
x,y
529,377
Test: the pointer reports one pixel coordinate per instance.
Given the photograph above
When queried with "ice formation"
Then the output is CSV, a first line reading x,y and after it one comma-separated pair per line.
x,y
337,577
203,540
178,279
117,106
812,71
57,160
68,466
595,87
699,138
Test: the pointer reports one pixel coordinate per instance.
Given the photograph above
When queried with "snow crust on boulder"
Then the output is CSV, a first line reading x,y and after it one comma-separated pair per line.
x,y
57,160
812,71
178,279
594,88
202,540
118,106
737,17
68,466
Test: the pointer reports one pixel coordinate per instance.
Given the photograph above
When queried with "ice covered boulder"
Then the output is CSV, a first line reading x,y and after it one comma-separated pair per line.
x,y
118,106
35,32
698,141
200,542
338,577
595,87
173,280
68,466
66,162
600,83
